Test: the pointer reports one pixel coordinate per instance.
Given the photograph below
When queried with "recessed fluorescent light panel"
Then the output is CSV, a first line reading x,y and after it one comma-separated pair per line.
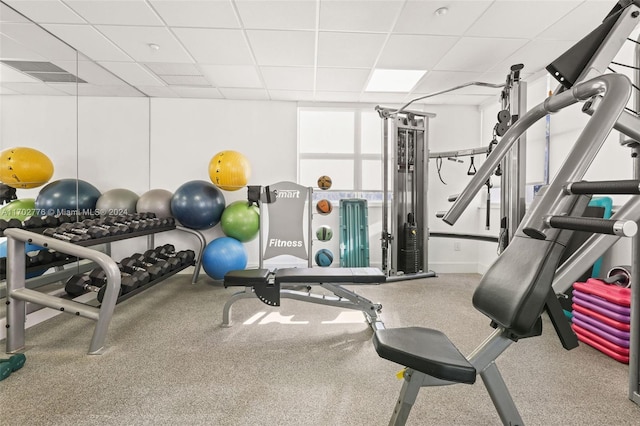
x,y
394,80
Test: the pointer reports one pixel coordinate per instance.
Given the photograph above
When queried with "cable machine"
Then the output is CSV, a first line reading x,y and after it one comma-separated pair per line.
x,y
405,170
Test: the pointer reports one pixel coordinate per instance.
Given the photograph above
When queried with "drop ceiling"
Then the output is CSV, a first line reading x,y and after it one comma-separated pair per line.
x,y
299,50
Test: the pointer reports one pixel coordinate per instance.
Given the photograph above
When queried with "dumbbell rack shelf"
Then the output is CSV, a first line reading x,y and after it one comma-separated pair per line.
x,y
152,283
18,295
42,268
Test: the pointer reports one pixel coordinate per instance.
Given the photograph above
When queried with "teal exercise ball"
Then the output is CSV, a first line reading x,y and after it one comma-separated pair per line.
x,y
197,204
241,220
67,196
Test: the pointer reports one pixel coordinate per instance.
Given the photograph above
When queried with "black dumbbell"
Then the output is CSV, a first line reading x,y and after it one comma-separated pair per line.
x,y
138,224
11,223
112,230
63,218
55,233
80,228
172,263
128,282
62,231
168,251
155,271
33,222
79,284
43,257
122,227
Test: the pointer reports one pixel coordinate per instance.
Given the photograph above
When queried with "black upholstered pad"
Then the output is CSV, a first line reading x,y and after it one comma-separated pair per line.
x,y
330,275
246,277
425,350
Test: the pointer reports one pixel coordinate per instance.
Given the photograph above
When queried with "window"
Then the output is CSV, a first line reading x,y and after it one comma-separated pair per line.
x,y
343,143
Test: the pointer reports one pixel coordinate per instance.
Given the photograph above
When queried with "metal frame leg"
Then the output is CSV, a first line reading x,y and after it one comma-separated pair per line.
x,y
500,396
408,394
226,311
16,309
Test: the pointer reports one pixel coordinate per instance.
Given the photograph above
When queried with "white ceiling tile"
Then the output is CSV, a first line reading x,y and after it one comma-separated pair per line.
x,y
10,49
215,46
133,73
173,69
33,89
197,92
95,90
244,76
457,100
135,42
280,14
288,78
374,16
7,91
47,11
535,55
353,50
239,93
7,14
418,17
478,54
38,40
436,81
157,91
383,97
283,48
341,79
580,22
321,96
506,19
8,74
89,41
105,12
291,95
90,72
186,80
414,51
203,14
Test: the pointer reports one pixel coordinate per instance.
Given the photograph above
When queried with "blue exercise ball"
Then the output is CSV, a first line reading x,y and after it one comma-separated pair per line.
x,y
67,196
197,204
222,255
324,257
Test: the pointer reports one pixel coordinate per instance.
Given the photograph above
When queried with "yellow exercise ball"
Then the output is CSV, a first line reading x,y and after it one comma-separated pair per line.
x,y
229,170
23,167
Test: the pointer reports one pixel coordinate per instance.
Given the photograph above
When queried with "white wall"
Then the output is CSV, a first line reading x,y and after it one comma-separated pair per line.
x,y
141,144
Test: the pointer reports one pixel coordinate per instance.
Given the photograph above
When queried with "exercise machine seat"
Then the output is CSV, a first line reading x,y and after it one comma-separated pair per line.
x,y
246,277
426,350
330,275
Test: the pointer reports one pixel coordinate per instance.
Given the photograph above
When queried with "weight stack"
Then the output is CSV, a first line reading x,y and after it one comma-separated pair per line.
x,y
601,317
409,261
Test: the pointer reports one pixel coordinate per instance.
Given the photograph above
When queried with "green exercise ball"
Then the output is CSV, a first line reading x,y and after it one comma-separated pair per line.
x,y
241,220
19,209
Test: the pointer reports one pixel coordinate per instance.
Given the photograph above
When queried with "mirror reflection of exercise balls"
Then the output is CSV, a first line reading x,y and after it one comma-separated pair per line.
x,y
324,257
67,194
324,233
156,201
324,206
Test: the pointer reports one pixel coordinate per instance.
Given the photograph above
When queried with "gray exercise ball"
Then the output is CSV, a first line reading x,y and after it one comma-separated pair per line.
x,y
156,201
116,202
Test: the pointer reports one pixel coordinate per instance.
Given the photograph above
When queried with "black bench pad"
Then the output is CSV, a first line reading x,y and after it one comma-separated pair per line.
x,y
425,350
330,275
246,277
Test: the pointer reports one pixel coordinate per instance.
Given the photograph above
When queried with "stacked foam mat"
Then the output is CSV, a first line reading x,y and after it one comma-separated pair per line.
x,y
601,317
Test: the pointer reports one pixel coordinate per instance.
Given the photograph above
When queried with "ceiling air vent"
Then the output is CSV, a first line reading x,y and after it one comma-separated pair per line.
x,y
44,71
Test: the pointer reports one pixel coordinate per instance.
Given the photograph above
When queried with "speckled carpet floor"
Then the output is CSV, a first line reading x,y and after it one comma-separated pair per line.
x,y
169,362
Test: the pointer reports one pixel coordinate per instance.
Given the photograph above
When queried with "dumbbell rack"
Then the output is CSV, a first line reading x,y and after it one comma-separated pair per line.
x,y
18,295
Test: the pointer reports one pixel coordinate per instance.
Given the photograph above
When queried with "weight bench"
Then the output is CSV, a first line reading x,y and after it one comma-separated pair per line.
x,y
268,286
512,294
